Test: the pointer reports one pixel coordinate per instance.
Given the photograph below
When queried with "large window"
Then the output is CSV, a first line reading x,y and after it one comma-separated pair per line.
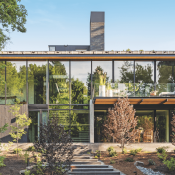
x,y
59,82
16,82
124,78
144,78
37,82
80,82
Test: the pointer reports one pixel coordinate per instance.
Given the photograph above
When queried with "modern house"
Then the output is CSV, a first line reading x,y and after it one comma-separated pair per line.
x,y
79,83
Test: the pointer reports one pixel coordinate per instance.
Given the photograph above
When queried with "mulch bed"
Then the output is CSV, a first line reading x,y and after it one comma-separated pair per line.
x,y
128,168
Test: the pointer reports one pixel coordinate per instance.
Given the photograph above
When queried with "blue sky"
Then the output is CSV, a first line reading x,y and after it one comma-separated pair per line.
x,y
134,24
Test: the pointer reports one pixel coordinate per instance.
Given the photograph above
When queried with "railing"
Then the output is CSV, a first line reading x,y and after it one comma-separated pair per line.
x,y
134,90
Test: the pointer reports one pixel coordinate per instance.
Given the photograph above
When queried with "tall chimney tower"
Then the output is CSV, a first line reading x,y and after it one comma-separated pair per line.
x,y
97,22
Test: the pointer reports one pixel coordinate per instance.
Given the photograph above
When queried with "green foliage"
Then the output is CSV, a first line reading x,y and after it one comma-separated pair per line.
x,y
129,159
160,149
88,153
162,156
112,154
111,148
12,15
170,163
112,161
96,157
19,150
2,161
25,155
31,148
124,151
135,151
4,128
40,168
27,172
151,162
138,150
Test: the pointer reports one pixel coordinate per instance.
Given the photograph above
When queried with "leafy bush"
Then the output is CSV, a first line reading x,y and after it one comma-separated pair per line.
x,y
170,163
88,153
96,157
133,152
111,148
124,151
162,156
31,148
112,161
138,150
17,149
151,162
160,149
2,161
97,151
112,154
129,159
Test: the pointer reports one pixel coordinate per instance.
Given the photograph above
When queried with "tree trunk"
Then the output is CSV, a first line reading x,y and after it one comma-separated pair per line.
x,y
122,144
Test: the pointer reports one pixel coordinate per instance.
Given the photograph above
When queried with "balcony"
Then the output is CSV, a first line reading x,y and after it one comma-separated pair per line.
x,y
151,90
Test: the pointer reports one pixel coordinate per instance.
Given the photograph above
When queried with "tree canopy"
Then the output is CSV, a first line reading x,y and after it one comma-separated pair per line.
x,y
12,16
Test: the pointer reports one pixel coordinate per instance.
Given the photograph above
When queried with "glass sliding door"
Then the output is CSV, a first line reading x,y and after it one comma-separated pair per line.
x,y
145,126
162,125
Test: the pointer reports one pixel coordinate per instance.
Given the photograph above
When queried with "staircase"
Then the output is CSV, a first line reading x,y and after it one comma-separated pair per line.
x,y
84,164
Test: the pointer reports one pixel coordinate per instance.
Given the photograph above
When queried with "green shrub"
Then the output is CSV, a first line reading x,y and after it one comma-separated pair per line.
x,y
129,159
124,151
88,153
138,150
160,149
96,157
170,163
97,151
111,148
133,152
112,161
112,154
2,161
151,162
31,148
162,156
15,150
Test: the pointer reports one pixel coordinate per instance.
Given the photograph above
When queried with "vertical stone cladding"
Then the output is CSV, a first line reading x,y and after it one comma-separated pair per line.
x,y
97,31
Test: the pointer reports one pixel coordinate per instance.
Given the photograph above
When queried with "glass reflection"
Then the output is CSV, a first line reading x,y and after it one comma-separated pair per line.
x,y
144,78
16,81
37,82
124,78
80,125
80,82
145,126
58,82
2,82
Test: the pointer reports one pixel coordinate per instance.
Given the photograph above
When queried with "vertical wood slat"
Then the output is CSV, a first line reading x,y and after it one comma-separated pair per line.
x,y
6,117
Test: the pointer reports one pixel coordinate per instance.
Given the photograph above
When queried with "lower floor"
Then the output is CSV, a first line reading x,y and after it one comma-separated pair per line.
x,y
86,124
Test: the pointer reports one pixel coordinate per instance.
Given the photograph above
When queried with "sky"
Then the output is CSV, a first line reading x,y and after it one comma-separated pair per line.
x,y
133,24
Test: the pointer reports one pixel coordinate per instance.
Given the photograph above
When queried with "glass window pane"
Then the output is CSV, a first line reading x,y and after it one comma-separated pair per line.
x,y
37,82
144,78
124,78
80,82
145,126
16,81
80,125
2,82
165,78
162,125
59,82
102,75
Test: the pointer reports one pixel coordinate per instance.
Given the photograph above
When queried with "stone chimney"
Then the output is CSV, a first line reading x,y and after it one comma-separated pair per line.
x,y
97,31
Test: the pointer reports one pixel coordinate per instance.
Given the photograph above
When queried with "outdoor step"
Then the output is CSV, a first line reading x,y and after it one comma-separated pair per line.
x,y
92,169
84,160
87,163
81,157
91,166
95,173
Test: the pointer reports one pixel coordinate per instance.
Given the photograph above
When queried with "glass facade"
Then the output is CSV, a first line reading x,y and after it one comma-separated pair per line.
x,y
67,86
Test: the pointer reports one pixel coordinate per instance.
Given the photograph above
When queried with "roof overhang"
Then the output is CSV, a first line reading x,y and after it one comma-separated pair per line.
x,y
135,100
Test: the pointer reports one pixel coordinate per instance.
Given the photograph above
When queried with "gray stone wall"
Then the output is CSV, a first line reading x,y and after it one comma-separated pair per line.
x,y
97,36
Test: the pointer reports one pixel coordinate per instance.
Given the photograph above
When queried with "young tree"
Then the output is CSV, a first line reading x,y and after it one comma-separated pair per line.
x,y
11,14
121,122
22,121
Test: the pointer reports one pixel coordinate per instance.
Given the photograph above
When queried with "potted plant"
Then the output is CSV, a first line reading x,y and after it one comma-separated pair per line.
x,y
102,85
109,90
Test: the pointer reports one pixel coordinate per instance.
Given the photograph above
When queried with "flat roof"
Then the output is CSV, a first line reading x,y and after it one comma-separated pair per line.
x,y
88,55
